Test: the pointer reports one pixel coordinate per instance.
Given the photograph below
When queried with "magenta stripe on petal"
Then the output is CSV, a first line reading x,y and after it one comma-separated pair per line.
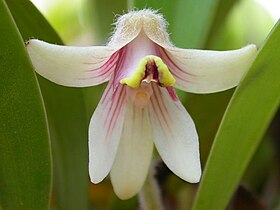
x,y
173,70
117,111
116,106
103,71
157,105
118,73
170,60
108,63
106,93
172,93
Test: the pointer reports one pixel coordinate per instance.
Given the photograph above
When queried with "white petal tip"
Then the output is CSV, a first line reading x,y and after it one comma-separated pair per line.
x,y
126,188
95,179
191,177
194,179
30,42
125,193
251,47
95,175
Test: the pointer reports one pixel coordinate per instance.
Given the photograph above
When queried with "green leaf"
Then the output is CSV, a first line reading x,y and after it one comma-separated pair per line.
x,y
25,166
247,117
66,117
30,21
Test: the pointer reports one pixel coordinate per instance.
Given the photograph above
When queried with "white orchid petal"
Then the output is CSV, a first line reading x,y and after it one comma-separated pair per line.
x,y
105,132
175,135
206,71
134,154
72,66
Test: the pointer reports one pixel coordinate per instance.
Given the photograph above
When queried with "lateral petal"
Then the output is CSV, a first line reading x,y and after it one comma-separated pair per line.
x,y
72,66
105,132
134,154
175,135
207,71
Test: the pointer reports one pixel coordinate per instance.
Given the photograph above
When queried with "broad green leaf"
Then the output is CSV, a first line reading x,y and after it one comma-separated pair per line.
x,y
260,167
246,119
25,166
66,118
30,21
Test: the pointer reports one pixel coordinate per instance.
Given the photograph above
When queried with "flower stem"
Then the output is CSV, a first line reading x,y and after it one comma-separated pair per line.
x,y
150,196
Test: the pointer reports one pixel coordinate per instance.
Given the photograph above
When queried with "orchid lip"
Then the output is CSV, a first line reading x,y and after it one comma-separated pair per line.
x,y
150,68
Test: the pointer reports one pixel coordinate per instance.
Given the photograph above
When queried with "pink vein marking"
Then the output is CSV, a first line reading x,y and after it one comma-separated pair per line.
x,y
175,73
112,60
172,93
156,115
116,115
166,110
102,73
105,94
178,51
109,65
163,114
104,57
142,122
119,65
112,104
100,61
173,63
134,112
161,97
133,122
115,112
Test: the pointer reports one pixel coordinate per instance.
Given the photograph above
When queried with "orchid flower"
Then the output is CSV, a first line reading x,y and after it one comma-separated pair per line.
x,y
139,107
